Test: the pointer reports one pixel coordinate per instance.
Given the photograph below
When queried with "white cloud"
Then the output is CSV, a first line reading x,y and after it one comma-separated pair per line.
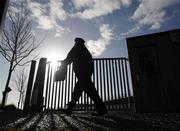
x,y
152,12
60,31
56,9
82,3
99,46
106,32
96,47
130,31
95,8
39,15
48,15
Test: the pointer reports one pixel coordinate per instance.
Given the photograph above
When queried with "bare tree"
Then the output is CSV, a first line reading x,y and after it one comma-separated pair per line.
x,y
20,84
18,42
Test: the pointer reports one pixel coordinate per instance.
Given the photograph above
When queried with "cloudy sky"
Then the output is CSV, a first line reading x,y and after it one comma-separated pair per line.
x,y
104,24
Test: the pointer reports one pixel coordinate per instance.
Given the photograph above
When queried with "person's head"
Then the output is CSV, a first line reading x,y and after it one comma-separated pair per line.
x,y
79,41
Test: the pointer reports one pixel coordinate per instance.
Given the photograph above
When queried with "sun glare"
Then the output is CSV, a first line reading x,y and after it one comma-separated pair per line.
x,y
54,57
54,63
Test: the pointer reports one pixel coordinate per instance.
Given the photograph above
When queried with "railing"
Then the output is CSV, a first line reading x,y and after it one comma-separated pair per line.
x,y
111,78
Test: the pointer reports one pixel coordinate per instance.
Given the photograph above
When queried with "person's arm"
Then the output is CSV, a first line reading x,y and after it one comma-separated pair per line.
x,y
69,57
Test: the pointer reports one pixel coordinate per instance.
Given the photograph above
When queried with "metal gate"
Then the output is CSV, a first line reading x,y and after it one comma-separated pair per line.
x,y
111,78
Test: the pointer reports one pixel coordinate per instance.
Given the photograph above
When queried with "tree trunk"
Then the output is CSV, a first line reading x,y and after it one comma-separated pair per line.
x,y
19,102
20,97
7,84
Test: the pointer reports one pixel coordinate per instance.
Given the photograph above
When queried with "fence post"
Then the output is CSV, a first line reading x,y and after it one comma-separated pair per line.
x,y
37,96
29,86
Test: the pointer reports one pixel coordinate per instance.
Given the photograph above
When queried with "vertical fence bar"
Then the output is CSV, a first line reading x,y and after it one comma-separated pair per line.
x,y
111,84
124,83
84,104
121,86
75,81
107,74
56,84
59,86
97,76
69,82
60,97
50,75
127,80
117,82
52,94
87,102
62,93
72,81
52,100
59,94
100,80
47,86
114,82
81,102
104,80
92,105
65,90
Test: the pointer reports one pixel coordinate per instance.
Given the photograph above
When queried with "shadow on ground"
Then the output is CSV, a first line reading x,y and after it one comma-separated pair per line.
x,y
56,120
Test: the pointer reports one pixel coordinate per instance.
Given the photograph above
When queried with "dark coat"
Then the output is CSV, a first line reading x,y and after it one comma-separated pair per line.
x,y
81,59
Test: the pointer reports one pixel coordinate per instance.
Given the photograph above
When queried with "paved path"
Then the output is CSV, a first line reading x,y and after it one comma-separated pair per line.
x,y
113,121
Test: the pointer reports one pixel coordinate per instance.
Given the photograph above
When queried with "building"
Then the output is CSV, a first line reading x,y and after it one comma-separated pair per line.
x,y
155,69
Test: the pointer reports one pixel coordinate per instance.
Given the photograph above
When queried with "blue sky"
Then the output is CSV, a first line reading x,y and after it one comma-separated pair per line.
x,y
104,24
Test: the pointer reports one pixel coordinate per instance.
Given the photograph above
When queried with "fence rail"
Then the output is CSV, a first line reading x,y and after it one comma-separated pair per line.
x,y
111,78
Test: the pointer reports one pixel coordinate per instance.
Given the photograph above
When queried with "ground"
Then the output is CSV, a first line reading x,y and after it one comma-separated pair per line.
x,y
114,120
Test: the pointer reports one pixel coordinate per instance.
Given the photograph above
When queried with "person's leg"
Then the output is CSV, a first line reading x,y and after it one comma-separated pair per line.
x,y
93,94
76,93
75,97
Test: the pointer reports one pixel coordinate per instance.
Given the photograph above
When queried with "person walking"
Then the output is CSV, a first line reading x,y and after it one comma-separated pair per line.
x,y
83,68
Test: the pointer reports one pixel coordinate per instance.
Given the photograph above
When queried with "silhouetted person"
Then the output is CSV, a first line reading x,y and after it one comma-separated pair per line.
x,y
83,68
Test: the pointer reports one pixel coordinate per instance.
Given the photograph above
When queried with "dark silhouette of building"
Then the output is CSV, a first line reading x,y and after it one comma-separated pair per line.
x,y
155,68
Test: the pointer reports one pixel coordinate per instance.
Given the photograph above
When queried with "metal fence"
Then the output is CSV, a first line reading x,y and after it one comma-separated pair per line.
x,y
111,78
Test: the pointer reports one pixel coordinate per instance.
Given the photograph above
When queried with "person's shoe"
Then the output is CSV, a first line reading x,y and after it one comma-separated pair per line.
x,y
66,111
